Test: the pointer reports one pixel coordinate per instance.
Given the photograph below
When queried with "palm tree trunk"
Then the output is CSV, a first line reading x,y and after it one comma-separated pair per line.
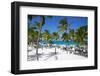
x,y
38,45
47,43
42,45
43,22
55,49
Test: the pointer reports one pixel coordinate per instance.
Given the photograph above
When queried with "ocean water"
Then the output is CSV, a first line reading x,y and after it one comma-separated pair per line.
x,y
61,42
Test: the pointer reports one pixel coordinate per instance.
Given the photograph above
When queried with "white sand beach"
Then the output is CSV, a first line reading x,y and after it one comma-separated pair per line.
x,y
49,54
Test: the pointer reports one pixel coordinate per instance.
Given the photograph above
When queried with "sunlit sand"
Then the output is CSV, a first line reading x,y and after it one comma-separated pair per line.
x,y
46,54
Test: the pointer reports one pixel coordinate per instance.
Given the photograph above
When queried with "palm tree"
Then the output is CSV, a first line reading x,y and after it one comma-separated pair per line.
x,y
39,28
46,35
65,36
39,24
32,35
81,35
63,25
55,37
71,34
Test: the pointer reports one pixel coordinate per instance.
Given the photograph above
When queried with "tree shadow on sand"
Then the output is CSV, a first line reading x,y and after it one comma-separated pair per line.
x,y
42,56
34,57
51,54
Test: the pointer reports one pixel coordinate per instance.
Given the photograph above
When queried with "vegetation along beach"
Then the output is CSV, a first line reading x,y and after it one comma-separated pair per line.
x,y
57,37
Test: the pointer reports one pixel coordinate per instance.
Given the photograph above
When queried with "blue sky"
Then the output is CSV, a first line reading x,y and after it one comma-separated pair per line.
x,y
51,24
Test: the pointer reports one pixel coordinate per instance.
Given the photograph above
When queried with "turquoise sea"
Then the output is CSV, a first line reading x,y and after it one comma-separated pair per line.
x,y
61,42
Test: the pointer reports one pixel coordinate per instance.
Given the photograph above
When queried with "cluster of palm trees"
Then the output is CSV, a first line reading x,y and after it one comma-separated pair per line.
x,y
64,33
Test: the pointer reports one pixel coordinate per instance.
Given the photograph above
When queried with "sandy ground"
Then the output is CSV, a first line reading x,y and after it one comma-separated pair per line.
x,y
46,54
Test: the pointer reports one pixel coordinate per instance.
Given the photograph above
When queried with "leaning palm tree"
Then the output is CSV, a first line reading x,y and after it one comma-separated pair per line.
x,y
40,24
55,36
